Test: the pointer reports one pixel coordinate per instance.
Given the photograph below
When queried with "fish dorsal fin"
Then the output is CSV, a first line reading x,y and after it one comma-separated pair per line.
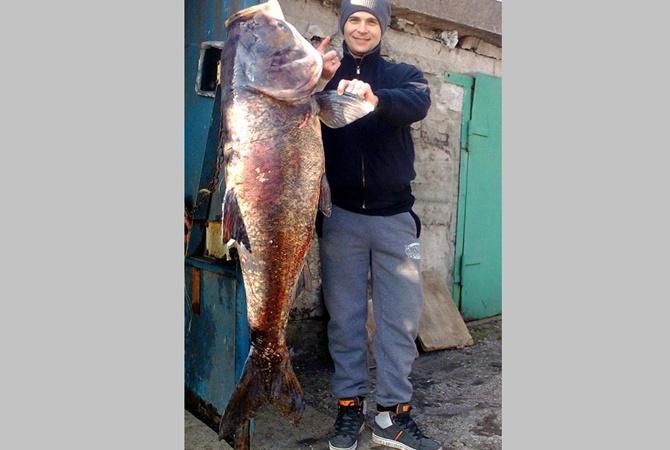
x,y
232,225
337,110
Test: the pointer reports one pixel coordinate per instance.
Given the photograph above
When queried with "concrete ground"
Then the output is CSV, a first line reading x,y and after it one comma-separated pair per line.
x,y
457,400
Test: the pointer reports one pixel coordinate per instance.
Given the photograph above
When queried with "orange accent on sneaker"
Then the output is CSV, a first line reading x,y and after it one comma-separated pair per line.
x,y
402,408
346,402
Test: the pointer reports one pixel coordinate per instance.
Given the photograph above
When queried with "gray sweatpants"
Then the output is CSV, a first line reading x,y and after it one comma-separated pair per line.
x,y
351,245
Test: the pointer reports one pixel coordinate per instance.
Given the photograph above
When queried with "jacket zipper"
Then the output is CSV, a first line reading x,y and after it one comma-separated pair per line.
x,y
359,61
358,72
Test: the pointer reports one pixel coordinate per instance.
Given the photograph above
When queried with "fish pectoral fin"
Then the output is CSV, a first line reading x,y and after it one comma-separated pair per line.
x,y
232,225
337,110
325,203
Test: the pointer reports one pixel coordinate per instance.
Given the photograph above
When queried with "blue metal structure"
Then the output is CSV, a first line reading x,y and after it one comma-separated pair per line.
x,y
203,24
215,328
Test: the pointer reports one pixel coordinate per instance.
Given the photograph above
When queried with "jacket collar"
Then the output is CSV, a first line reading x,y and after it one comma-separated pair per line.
x,y
370,57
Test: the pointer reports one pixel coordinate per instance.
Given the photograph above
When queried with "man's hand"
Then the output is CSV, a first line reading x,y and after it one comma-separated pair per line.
x,y
330,60
359,88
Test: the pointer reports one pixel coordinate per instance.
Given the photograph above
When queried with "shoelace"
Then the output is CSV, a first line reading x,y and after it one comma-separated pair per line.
x,y
406,421
347,420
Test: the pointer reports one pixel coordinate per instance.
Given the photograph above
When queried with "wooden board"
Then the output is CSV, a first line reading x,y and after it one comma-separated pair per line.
x,y
441,325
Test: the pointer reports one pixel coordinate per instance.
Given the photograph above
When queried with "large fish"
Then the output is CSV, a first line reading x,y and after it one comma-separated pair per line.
x,y
274,178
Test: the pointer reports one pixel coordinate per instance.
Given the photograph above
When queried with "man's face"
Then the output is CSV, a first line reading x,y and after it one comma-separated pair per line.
x,y
362,32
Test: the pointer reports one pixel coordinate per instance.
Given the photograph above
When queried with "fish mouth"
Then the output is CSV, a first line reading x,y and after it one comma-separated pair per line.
x,y
304,73
312,54
270,8
288,80
298,93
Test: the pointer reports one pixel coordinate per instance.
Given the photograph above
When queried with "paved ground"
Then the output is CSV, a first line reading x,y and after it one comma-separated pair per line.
x,y
457,401
198,436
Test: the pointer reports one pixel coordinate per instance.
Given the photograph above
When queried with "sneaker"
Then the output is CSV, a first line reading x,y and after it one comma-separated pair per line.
x,y
397,429
348,425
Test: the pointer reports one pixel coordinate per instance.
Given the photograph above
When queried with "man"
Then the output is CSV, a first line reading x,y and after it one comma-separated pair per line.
x,y
372,229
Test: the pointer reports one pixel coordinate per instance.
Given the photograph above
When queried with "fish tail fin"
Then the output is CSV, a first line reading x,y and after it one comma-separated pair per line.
x,y
289,398
247,397
283,391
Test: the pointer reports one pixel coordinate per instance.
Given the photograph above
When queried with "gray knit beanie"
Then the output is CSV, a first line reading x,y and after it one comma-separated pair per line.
x,y
381,9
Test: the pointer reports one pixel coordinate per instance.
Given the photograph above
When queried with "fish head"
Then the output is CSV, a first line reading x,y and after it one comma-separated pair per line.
x,y
273,57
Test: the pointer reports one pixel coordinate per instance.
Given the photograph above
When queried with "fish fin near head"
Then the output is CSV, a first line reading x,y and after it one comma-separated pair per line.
x,y
232,225
337,110
254,389
325,203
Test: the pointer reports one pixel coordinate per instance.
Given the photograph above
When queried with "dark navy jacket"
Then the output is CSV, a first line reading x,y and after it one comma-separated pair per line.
x,y
370,163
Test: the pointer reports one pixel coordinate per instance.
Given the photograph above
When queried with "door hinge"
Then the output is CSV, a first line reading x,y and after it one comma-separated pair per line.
x,y
465,135
457,270
478,128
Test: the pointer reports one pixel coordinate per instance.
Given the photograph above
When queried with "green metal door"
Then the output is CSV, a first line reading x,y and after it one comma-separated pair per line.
x,y
478,273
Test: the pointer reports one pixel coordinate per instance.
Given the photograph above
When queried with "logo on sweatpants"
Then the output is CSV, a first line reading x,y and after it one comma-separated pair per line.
x,y
413,250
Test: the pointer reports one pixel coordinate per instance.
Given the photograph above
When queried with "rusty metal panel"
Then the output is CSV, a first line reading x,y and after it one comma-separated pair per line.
x,y
195,290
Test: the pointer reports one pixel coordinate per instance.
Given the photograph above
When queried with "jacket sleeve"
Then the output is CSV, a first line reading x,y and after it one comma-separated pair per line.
x,y
407,103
